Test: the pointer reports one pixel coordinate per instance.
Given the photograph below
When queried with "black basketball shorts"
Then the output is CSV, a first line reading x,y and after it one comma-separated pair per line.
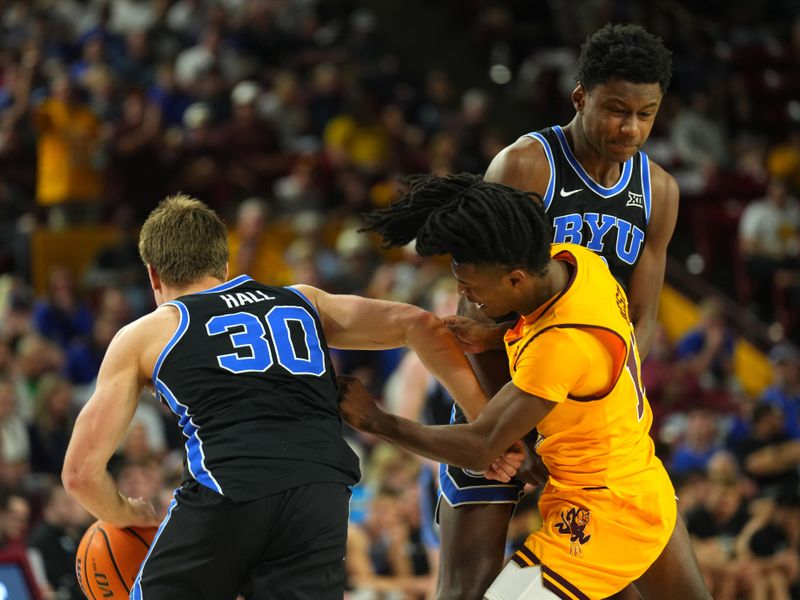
x,y
287,546
459,486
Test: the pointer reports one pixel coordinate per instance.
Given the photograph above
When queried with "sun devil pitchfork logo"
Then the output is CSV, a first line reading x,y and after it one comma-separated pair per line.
x,y
573,524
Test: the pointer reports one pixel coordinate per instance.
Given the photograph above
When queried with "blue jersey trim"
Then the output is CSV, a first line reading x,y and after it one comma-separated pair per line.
x,y
224,287
646,185
551,184
183,325
303,296
598,189
195,457
136,591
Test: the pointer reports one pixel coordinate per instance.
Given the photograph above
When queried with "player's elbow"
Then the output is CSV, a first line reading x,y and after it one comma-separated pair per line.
x,y
73,479
76,477
418,322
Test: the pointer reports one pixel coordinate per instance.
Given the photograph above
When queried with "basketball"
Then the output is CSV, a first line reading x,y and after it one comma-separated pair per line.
x,y
109,558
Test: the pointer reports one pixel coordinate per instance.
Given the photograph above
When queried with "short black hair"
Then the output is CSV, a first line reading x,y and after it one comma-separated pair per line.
x,y
627,52
472,220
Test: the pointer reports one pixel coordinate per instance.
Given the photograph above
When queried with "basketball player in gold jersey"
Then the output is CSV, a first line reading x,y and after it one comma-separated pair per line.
x,y
608,508
599,190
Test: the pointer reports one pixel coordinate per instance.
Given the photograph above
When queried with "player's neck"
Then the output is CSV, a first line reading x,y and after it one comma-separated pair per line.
x,y
600,169
172,292
552,284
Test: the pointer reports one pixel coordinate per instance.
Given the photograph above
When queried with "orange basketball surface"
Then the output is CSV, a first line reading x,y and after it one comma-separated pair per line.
x,y
109,558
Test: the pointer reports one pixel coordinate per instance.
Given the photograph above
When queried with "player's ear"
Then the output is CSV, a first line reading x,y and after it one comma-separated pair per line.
x,y
227,271
155,280
516,277
579,97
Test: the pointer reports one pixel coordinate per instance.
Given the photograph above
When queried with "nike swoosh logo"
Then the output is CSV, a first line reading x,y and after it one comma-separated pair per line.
x,y
569,193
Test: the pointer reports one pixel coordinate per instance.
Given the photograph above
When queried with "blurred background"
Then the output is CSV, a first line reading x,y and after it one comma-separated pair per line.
x,y
291,118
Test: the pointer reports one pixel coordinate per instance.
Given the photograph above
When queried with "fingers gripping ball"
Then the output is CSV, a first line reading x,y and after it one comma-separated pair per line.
x,y
109,558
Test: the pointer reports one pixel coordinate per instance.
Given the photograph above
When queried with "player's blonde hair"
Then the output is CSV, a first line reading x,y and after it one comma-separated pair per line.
x,y
184,241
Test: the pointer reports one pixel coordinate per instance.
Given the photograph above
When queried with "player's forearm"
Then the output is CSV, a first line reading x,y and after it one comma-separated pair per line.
x,y
458,445
438,351
645,328
97,493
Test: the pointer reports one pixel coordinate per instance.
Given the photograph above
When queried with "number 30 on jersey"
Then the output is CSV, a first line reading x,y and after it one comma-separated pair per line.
x,y
249,336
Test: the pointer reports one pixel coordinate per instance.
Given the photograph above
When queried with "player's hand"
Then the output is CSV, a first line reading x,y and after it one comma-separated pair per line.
x,y
356,404
533,469
507,464
472,337
140,514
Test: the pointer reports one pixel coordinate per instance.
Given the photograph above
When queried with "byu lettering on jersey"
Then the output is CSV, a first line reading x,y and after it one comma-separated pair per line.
x,y
248,376
611,222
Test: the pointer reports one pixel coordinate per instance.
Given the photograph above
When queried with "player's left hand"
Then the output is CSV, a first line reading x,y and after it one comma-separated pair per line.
x,y
507,464
356,404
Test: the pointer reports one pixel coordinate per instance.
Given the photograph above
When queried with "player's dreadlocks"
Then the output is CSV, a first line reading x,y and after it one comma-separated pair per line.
x,y
625,51
473,221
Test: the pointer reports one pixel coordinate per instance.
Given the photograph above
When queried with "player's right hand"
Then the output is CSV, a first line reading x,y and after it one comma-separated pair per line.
x,y
140,514
507,464
533,469
356,404
472,337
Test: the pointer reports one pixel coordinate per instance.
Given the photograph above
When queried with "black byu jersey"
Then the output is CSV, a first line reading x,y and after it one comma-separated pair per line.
x,y
609,221
248,376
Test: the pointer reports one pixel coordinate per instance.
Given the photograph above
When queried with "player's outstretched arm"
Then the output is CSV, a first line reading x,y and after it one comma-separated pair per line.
x,y
507,418
648,276
353,322
100,428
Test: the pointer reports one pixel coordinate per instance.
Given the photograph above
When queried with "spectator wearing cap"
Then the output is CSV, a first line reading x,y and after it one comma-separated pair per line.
x,y
196,153
252,150
784,393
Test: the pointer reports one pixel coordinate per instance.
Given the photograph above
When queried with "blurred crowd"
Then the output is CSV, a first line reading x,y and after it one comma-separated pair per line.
x,y
291,117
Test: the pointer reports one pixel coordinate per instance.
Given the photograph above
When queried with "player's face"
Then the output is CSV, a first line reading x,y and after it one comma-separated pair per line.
x,y
617,116
485,286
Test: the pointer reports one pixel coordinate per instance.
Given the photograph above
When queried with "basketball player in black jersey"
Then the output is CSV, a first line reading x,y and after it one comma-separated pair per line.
x,y
245,369
601,191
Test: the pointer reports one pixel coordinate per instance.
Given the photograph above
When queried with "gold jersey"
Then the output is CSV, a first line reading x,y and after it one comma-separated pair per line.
x,y
579,351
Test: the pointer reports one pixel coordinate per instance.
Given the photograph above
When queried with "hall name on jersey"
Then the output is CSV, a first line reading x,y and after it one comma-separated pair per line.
x,y
237,299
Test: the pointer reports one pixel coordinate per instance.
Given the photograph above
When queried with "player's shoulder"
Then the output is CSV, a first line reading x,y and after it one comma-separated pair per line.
x,y
665,197
519,165
663,185
525,149
154,327
551,346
